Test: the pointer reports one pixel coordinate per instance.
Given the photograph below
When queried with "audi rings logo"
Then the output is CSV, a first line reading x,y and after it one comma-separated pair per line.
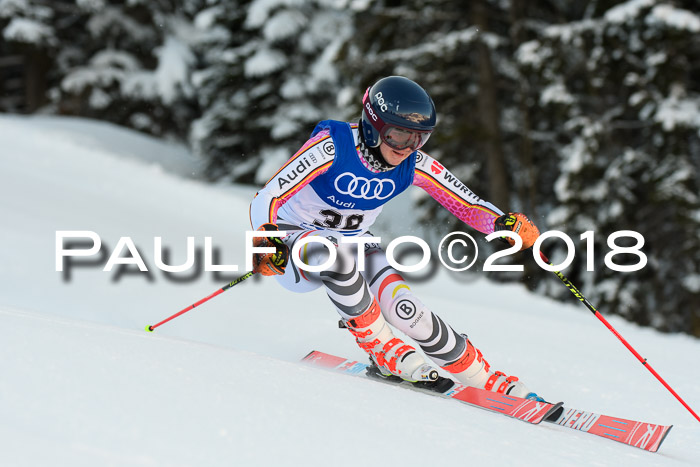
x,y
364,188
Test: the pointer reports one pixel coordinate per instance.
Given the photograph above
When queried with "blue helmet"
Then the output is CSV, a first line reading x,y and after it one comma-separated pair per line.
x,y
398,112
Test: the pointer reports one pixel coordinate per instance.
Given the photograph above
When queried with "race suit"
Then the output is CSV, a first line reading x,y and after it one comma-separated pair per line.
x,y
328,189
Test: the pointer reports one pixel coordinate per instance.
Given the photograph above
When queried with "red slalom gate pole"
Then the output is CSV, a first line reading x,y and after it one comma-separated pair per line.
x,y
572,288
151,327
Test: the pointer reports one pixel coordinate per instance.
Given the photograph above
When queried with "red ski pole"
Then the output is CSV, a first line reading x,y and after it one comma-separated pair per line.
x,y
151,327
572,288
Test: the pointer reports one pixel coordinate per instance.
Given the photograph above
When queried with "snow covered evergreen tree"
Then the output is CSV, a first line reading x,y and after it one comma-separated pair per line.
x,y
129,63
265,86
26,21
27,37
621,92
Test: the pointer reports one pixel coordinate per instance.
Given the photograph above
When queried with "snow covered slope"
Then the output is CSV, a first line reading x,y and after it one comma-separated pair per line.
x,y
81,383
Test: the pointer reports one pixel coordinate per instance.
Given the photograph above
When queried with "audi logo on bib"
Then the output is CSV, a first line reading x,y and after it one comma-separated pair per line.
x,y
364,188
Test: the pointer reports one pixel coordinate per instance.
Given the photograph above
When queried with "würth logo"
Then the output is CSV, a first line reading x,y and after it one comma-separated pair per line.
x,y
437,168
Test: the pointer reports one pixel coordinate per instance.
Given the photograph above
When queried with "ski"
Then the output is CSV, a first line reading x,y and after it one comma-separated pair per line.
x,y
647,436
522,409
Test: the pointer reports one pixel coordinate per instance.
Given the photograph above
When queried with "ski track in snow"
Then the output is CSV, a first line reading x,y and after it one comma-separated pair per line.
x,y
82,384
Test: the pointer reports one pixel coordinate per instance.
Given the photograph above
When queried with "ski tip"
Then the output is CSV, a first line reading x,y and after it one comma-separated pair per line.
x,y
149,328
308,355
663,438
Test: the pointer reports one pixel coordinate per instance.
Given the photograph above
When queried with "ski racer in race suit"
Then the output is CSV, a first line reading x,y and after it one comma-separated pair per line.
x,y
335,186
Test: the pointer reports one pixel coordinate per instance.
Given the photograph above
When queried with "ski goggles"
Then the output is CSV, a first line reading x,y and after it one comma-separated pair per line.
x,y
401,138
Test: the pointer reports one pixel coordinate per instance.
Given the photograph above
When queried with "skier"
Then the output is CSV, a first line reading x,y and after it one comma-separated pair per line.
x,y
334,186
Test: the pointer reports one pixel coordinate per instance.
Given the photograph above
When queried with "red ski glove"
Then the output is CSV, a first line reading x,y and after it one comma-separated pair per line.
x,y
519,223
270,264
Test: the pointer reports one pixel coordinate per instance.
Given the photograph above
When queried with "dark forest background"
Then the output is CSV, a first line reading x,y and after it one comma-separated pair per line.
x,y
584,114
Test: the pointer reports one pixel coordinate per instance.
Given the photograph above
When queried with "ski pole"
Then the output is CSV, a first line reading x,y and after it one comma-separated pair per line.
x,y
151,327
572,288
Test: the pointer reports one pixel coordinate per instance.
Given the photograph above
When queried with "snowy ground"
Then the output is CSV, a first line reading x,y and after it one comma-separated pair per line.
x,y
81,382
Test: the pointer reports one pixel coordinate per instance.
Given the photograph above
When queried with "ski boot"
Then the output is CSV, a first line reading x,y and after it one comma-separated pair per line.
x,y
390,355
472,369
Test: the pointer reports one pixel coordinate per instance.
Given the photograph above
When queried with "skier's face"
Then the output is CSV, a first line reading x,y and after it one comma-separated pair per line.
x,y
394,156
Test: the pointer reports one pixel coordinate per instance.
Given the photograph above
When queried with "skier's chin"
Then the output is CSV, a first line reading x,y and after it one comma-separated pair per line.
x,y
394,157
